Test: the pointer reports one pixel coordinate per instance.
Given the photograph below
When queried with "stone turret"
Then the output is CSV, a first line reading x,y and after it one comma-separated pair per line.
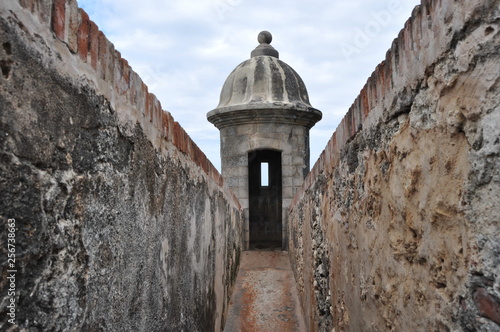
x,y
264,116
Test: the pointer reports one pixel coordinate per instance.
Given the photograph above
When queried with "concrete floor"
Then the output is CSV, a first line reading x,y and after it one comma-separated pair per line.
x,y
265,296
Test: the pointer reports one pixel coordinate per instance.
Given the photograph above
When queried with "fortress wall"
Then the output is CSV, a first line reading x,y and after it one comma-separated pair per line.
x,y
397,224
122,223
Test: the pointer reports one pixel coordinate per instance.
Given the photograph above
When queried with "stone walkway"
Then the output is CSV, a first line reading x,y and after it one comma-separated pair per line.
x,y
265,297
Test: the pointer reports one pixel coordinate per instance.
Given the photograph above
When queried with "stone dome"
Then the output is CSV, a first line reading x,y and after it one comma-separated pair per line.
x,y
264,82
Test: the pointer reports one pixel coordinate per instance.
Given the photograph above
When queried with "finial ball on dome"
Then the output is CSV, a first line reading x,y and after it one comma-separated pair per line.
x,y
265,37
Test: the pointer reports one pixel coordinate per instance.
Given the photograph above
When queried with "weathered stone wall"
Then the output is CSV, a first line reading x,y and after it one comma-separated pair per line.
x,y
397,225
122,224
237,142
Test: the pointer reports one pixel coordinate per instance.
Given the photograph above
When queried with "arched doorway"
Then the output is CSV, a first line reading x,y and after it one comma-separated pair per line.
x,y
265,198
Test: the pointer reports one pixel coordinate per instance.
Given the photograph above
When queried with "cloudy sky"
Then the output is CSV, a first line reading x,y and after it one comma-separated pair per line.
x,y
184,50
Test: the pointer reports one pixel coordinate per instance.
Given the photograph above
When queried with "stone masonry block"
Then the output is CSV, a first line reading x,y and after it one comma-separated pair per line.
x,y
102,52
125,70
234,148
83,35
289,171
228,131
288,192
150,107
237,161
28,4
72,25
94,45
179,137
487,305
135,85
244,202
298,182
123,75
204,162
145,93
300,131
164,126
287,202
232,182
194,152
235,171
286,160
171,122
240,192
287,181
216,176
156,111
58,18
298,161
245,130
44,11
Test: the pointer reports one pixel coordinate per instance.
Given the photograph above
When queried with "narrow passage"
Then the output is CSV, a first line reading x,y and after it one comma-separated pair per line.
x,y
265,297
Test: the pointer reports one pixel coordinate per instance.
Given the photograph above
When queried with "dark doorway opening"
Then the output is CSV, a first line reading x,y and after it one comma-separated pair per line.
x,y
265,203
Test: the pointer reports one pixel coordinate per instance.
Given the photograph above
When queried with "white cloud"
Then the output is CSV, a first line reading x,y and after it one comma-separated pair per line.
x,y
153,42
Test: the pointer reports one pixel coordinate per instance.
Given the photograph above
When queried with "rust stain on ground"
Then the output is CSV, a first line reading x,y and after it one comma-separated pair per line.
x,y
265,297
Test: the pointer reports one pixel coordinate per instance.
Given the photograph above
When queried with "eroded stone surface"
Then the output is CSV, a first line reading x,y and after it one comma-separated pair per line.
x,y
265,295
114,231
400,231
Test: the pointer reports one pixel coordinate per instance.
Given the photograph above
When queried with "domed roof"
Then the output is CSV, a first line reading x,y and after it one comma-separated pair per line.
x,y
264,82
263,79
